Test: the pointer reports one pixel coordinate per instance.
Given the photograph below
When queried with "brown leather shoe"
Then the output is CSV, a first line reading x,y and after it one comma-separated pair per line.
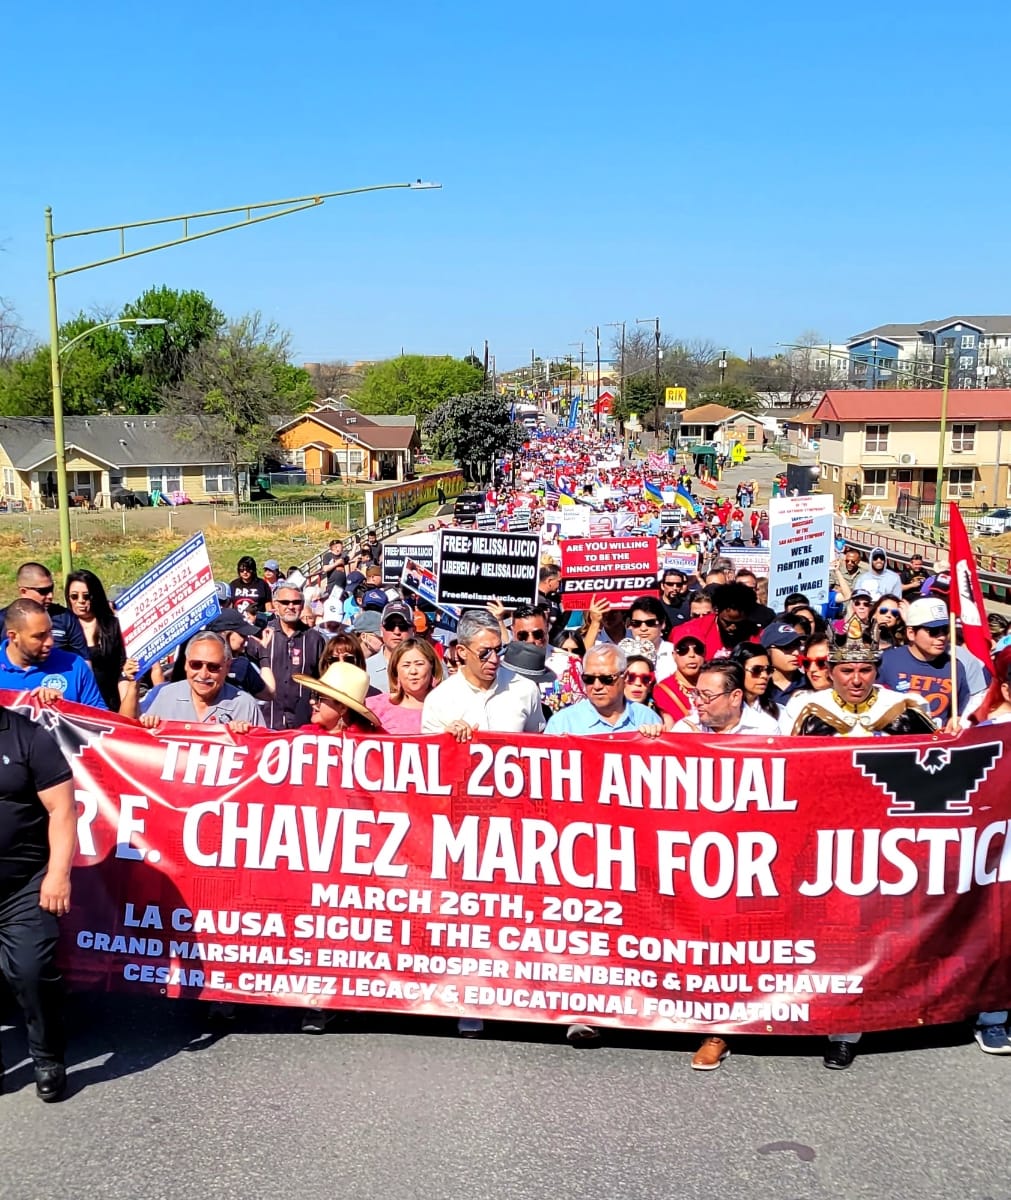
x,y
710,1055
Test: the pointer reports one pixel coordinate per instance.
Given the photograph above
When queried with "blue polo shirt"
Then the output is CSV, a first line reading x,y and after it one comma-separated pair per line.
x,y
65,672
584,718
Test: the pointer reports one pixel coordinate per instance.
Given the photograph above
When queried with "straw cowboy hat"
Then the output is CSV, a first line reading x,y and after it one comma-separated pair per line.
x,y
343,682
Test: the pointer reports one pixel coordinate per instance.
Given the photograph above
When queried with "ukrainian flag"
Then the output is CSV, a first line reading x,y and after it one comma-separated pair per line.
x,y
684,499
565,498
653,494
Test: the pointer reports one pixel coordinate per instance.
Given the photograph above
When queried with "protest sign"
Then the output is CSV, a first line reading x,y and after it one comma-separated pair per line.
x,y
618,568
749,559
575,520
173,600
395,554
476,567
519,521
603,523
800,541
712,884
686,561
418,578
486,520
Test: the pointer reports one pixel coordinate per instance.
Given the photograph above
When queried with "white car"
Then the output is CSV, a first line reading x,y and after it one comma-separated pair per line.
x,y
998,521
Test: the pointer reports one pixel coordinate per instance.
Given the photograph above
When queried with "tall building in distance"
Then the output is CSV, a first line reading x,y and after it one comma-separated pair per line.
x,y
913,355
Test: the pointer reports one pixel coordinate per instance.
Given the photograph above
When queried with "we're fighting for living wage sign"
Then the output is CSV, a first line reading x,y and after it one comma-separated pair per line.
x,y
763,885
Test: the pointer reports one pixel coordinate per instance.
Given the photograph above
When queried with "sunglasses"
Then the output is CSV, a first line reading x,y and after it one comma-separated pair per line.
x,y
890,612
636,677
684,648
817,662
43,591
650,623
289,603
199,664
81,597
344,658
396,627
526,634
606,680
860,600
485,654
756,671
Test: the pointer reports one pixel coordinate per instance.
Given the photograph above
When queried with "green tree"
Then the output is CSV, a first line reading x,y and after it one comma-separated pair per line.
x,y
162,352
237,387
473,430
415,384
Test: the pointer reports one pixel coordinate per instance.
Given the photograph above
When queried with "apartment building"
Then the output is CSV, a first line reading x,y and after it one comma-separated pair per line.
x,y
912,355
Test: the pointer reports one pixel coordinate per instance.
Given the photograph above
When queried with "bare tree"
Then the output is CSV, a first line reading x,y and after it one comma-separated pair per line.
x,y
333,379
16,343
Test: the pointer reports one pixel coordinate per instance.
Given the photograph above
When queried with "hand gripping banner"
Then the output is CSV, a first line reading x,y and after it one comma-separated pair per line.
x,y
694,883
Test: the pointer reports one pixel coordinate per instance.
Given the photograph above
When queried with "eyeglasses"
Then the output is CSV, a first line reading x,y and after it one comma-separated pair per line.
x,y
351,658
644,623
816,662
43,591
890,612
396,626
860,600
685,648
81,597
674,583
315,700
755,671
525,635
199,664
636,677
289,603
485,654
606,680
705,697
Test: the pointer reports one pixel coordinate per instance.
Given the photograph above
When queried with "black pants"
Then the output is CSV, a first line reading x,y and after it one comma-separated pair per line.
x,y
28,936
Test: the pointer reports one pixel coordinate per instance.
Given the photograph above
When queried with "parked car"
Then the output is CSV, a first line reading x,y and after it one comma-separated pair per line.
x,y
998,521
466,507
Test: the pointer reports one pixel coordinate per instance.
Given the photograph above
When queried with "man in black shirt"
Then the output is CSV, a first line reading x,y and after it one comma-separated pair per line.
x,y
289,647
674,595
38,836
334,567
35,582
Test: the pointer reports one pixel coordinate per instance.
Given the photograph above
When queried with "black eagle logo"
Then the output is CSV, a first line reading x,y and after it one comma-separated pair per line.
x,y
73,734
937,781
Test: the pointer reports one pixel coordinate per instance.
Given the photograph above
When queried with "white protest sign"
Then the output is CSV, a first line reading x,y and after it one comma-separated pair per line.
x,y
173,600
800,540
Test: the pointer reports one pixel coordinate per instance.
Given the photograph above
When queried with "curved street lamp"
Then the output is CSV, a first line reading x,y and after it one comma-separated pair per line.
x,y
265,211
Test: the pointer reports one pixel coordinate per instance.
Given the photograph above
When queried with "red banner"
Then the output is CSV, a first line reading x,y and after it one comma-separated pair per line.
x,y
692,883
620,568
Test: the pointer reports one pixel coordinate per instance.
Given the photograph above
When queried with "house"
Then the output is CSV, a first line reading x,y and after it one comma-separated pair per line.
x,y
717,423
105,455
900,354
337,442
881,444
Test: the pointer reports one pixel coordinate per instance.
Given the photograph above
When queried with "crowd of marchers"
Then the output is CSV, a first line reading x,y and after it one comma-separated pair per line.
x,y
341,653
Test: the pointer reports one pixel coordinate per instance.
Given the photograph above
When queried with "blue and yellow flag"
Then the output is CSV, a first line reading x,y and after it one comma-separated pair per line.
x,y
684,499
653,494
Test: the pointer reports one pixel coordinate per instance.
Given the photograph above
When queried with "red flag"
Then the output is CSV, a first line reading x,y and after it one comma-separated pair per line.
x,y
966,597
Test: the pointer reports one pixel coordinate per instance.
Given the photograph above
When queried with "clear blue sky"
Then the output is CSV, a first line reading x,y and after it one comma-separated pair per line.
x,y
744,171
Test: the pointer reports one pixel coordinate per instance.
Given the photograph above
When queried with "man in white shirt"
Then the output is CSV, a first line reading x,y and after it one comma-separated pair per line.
x,y
482,694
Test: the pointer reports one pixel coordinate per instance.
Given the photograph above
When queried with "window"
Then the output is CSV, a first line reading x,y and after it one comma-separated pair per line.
x,y
751,433
968,341
963,438
10,483
165,479
859,370
349,462
875,484
965,362
838,429
876,439
115,480
835,474
295,458
961,483
218,479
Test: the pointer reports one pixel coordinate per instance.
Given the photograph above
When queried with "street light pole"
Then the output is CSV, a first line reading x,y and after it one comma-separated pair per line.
x,y
277,208
655,322
939,479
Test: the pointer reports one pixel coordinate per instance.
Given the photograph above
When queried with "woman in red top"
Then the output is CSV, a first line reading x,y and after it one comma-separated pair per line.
x,y
671,696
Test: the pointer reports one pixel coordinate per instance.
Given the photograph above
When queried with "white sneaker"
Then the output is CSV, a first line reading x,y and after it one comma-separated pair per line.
x,y
992,1039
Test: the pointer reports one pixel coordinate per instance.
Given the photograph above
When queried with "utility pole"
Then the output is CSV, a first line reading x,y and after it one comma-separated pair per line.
x,y
723,366
621,369
582,361
596,407
655,322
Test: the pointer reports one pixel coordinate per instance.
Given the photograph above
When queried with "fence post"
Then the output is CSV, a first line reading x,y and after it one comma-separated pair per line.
x,y
122,514
303,513
170,520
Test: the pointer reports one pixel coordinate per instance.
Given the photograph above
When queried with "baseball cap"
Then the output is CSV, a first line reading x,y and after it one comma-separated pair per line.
x,y
779,635
272,565
224,591
367,622
333,610
375,598
927,613
397,608
861,593
230,621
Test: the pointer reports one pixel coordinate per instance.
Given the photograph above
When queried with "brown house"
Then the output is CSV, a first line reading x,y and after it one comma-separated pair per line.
x,y
332,442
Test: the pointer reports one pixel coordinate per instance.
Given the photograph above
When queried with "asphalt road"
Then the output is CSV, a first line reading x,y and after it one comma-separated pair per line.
x,y
399,1109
